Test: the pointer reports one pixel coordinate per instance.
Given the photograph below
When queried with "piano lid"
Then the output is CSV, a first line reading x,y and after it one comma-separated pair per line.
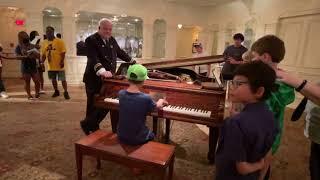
x,y
184,62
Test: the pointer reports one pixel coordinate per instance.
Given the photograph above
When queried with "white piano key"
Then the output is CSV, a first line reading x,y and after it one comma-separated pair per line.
x,y
174,109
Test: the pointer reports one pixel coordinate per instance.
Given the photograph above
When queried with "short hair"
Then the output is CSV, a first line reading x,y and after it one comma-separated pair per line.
x,y
33,35
104,20
238,36
272,45
259,75
59,35
198,45
135,82
50,27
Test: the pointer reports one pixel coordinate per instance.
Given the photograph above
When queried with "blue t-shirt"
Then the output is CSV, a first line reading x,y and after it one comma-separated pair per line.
x,y
133,111
245,137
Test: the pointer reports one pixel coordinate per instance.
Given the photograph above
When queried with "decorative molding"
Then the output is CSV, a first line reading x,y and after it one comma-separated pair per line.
x,y
293,14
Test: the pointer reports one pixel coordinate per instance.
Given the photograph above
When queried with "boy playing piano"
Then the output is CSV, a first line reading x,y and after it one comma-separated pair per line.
x,y
247,137
133,108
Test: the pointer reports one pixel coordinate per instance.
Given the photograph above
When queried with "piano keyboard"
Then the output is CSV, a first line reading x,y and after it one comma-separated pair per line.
x,y
174,109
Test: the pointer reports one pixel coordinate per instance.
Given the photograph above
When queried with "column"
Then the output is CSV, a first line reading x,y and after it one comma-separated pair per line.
x,y
171,40
147,46
69,33
34,21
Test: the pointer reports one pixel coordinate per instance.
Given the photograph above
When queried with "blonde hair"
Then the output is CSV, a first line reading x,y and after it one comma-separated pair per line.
x,y
247,56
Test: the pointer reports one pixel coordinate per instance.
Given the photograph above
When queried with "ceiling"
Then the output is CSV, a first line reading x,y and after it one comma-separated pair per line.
x,y
200,3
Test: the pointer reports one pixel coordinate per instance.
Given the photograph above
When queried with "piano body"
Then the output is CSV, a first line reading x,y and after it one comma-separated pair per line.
x,y
187,102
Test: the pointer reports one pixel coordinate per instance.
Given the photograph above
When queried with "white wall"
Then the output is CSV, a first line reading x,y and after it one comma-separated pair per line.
x,y
297,22
217,24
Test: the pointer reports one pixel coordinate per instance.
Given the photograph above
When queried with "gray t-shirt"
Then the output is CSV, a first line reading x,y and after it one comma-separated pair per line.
x,y
235,53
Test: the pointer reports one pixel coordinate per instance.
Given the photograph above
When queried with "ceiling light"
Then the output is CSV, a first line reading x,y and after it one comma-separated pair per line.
x,y
128,23
136,20
179,26
76,15
124,15
12,8
48,10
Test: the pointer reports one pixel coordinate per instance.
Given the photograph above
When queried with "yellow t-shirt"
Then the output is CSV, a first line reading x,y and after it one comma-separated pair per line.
x,y
53,50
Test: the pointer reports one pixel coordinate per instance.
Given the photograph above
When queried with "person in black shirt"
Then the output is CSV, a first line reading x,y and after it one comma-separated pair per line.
x,y
81,48
233,56
102,53
35,39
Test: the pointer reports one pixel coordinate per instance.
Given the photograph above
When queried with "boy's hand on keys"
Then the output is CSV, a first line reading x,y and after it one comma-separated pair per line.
x,y
161,103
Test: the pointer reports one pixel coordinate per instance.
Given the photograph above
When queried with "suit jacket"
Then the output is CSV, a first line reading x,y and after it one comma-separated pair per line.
x,y
101,55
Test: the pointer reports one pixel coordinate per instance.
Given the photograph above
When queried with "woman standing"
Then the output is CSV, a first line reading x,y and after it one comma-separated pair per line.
x,y
28,54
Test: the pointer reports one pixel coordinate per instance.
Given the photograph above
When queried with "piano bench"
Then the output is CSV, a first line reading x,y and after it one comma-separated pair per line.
x,y
152,156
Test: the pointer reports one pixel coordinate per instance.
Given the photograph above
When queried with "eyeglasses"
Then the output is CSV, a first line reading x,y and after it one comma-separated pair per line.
x,y
237,83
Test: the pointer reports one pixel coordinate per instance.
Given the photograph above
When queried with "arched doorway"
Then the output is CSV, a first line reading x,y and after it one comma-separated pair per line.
x,y
52,17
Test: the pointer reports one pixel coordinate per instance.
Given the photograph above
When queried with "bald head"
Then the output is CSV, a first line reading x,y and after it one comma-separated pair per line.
x,y
105,28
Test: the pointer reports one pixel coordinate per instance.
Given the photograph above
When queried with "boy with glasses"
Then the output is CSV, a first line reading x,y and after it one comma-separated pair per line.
x,y
247,137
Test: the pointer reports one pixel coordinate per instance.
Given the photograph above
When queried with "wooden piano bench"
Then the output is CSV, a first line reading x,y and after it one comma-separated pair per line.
x,y
152,156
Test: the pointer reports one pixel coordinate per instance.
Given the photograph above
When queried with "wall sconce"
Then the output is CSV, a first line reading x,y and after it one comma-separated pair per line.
x,y
179,26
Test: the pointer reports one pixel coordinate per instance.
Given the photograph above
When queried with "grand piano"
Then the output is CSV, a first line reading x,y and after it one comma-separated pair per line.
x,y
188,100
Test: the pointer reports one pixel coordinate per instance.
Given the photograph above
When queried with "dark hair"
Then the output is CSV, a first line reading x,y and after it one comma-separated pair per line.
x,y
44,36
272,45
135,82
33,35
59,35
134,76
259,75
238,36
50,27
198,45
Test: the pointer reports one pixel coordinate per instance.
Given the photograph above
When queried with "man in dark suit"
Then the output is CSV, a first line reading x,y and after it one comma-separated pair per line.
x,y
102,53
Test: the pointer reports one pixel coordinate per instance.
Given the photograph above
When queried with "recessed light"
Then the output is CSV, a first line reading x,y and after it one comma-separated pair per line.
x,y
124,15
179,26
12,8
136,20
128,23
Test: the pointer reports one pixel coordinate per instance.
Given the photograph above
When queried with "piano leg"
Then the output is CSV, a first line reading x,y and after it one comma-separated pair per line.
x,y
167,135
114,116
213,140
155,125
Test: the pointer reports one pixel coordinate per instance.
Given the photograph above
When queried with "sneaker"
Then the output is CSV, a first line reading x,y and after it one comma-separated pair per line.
x,y
56,93
30,98
4,95
66,95
42,91
37,96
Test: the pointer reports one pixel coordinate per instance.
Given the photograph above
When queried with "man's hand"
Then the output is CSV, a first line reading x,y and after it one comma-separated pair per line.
x,y
106,74
232,61
287,78
61,64
133,61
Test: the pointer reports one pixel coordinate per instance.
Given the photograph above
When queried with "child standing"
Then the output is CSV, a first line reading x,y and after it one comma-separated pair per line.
x,y
247,137
134,106
271,50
